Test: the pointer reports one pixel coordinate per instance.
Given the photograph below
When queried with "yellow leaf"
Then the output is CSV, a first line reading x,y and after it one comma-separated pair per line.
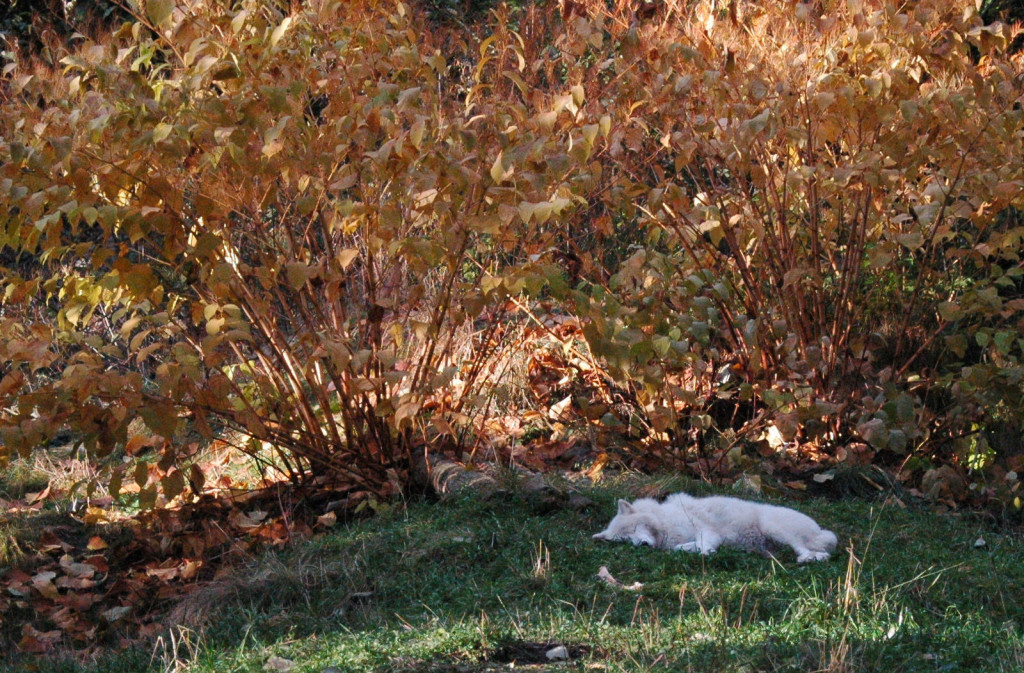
x,y
578,95
406,412
279,32
498,172
542,211
486,43
416,134
346,257
526,210
239,20
159,12
96,543
490,283
547,120
222,134
214,326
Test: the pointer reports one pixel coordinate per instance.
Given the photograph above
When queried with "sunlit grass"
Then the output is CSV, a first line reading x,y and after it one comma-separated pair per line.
x,y
18,479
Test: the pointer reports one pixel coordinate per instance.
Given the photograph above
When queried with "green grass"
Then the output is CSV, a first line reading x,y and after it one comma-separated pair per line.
x,y
466,585
17,479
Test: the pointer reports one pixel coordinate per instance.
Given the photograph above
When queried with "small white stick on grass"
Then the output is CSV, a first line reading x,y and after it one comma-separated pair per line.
x,y
604,575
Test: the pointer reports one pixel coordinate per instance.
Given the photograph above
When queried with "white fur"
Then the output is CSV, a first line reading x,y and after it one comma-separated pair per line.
x,y
702,525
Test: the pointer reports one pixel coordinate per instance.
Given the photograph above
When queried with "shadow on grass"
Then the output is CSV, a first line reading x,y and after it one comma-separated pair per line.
x,y
466,584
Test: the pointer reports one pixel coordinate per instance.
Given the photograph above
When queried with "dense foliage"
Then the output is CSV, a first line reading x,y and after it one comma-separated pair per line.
x,y
318,229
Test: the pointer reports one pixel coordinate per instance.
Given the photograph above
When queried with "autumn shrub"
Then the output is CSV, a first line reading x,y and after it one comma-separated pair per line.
x,y
797,220
832,221
301,228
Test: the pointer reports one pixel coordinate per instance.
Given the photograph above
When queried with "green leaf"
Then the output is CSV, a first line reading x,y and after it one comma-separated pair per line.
x,y
1004,341
661,344
950,311
911,241
874,432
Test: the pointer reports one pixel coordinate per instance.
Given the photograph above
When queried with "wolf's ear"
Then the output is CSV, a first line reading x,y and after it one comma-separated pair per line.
x,y
625,507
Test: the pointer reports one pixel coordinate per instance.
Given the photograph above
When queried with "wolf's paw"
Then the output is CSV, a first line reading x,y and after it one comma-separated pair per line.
x,y
806,556
690,547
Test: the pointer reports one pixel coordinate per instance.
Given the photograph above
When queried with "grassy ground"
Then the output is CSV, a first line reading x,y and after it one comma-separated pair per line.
x,y
467,585
16,480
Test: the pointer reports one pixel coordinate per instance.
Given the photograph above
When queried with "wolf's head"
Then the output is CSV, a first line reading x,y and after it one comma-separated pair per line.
x,y
630,525
827,540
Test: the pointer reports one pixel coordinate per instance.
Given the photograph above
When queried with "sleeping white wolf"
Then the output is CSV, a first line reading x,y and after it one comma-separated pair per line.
x,y
702,525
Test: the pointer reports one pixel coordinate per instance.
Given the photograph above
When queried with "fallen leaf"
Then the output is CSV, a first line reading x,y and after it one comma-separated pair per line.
x,y
248,519
95,515
114,614
49,542
279,664
105,501
79,602
33,498
18,590
65,619
75,569
18,576
165,573
36,641
43,583
99,563
76,583
190,569
96,543
559,410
